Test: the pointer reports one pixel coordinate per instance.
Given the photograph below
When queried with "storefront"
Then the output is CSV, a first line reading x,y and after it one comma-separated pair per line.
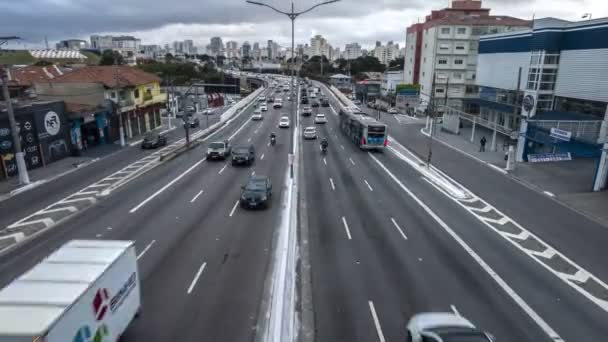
x,y
44,132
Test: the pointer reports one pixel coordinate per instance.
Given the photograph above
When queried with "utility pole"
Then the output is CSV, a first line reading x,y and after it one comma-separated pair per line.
x,y
430,111
121,129
292,14
19,157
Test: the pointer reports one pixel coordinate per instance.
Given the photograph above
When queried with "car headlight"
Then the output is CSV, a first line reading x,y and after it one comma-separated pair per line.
x,y
264,198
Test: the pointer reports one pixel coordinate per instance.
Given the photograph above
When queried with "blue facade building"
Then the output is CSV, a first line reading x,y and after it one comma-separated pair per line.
x,y
550,78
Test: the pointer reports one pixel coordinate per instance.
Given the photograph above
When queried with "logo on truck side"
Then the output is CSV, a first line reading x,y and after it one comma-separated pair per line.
x,y
124,291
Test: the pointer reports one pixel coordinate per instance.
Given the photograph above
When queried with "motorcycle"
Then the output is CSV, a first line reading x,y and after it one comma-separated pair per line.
x,y
324,149
273,141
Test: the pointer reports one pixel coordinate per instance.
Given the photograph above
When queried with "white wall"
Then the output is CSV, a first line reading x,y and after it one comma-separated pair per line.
x,y
427,68
410,57
583,74
500,70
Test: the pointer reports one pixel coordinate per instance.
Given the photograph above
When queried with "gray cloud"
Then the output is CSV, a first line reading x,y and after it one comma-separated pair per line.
x,y
348,20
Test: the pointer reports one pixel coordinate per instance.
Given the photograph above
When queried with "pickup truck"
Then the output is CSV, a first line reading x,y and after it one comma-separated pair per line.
x,y
87,290
219,150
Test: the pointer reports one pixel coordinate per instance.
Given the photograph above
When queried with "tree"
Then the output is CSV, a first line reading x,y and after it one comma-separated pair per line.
x,y
43,63
398,62
220,60
111,57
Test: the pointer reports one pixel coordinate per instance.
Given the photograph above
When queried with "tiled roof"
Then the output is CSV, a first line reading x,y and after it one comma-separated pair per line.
x,y
110,76
26,76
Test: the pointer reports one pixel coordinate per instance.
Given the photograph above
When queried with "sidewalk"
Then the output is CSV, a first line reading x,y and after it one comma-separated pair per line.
x,y
568,182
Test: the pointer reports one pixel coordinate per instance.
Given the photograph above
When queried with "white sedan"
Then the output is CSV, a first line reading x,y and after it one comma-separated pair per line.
x,y
320,118
392,110
284,122
257,116
444,326
263,108
310,132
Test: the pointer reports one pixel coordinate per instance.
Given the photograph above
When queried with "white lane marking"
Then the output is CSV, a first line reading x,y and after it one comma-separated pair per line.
x,y
109,228
455,310
98,236
331,181
233,209
249,140
146,249
351,161
196,196
238,130
497,278
550,194
398,228
346,228
256,131
262,157
397,118
268,144
369,186
176,179
198,274
341,146
222,169
324,161
253,173
372,309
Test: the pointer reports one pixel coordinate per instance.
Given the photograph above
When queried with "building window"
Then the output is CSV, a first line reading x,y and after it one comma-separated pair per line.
x,y
136,93
544,102
444,47
113,94
458,62
457,76
441,76
410,72
424,60
535,58
423,74
445,30
460,47
442,61
462,30
439,90
410,61
552,59
425,45
533,75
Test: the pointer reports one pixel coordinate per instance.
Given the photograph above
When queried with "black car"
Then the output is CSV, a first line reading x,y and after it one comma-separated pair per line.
x,y
243,155
304,100
324,102
153,140
315,104
193,122
256,193
270,99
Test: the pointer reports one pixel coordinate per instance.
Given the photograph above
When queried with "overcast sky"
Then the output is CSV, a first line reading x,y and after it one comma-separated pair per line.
x,y
162,21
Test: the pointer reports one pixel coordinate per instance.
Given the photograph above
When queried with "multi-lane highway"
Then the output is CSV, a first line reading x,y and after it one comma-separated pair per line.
x,y
386,243
382,237
203,259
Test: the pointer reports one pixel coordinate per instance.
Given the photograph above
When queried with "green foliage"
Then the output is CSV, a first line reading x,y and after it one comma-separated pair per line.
x,y
110,57
399,62
183,73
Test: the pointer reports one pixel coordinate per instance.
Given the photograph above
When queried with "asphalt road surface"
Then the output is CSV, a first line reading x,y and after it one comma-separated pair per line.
x,y
383,242
378,257
203,260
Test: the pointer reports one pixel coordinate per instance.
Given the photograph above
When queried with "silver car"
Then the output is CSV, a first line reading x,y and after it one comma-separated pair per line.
x,y
310,133
442,327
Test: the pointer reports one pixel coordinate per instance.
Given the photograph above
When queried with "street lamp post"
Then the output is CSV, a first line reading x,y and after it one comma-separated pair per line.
x,y
292,14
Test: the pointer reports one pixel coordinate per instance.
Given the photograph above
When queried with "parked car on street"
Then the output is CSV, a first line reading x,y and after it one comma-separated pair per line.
x,y
243,155
153,140
218,150
256,192
392,110
444,326
310,133
193,122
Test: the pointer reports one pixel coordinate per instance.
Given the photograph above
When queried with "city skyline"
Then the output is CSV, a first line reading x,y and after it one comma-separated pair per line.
x,y
340,23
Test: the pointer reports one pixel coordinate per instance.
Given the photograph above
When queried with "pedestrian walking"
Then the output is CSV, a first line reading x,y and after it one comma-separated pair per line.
x,y
482,144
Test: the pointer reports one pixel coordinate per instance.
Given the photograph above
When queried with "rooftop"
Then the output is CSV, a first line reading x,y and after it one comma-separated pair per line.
x,y
111,76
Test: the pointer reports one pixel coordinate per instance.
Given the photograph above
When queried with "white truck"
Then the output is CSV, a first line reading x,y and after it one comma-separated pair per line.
x,y
86,291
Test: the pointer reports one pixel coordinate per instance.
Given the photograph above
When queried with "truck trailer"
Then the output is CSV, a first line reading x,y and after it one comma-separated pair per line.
x,y
87,290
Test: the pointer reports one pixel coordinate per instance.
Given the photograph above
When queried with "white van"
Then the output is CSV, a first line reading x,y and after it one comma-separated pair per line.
x,y
87,290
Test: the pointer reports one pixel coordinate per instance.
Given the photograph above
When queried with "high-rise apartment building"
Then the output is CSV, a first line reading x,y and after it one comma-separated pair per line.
x,y
246,50
386,54
352,51
216,47
232,49
445,46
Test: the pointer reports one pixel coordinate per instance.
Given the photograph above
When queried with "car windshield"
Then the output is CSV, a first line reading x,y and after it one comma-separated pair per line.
x,y
255,186
240,149
216,145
